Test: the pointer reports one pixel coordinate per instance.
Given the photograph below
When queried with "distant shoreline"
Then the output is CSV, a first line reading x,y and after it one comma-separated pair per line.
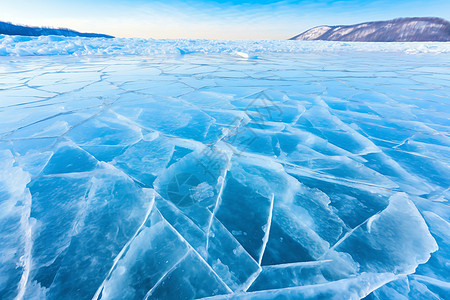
x,y
11,29
397,30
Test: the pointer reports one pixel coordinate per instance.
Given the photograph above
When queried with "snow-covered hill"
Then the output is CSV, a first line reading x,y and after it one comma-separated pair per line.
x,y
398,30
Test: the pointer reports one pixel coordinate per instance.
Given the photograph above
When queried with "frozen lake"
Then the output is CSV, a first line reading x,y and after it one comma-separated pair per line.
x,y
299,175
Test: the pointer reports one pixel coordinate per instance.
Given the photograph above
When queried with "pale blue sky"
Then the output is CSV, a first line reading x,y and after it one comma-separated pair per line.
x,y
210,19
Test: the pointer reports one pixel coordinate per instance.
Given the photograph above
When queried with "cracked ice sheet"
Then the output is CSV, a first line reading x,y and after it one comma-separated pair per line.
x,y
215,176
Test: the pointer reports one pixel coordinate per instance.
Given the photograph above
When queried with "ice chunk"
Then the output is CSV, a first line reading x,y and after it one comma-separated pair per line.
x,y
69,158
291,275
142,165
193,278
351,288
149,256
68,209
16,236
396,240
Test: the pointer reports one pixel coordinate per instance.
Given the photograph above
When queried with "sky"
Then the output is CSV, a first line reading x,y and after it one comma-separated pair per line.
x,y
202,19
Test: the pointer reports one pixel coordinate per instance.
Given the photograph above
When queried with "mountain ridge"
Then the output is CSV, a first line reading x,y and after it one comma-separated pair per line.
x,y
416,29
12,29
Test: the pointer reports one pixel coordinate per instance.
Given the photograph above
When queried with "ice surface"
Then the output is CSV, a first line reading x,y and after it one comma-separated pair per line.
x,y
255,175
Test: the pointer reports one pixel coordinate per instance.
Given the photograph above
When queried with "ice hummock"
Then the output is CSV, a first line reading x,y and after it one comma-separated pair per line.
x,y
291,175
79,46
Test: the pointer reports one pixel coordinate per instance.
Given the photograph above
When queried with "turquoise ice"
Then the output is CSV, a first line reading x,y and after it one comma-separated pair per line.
x,y
303,175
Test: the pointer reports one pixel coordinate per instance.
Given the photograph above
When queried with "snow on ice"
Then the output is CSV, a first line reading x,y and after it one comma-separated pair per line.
x,y
58,45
